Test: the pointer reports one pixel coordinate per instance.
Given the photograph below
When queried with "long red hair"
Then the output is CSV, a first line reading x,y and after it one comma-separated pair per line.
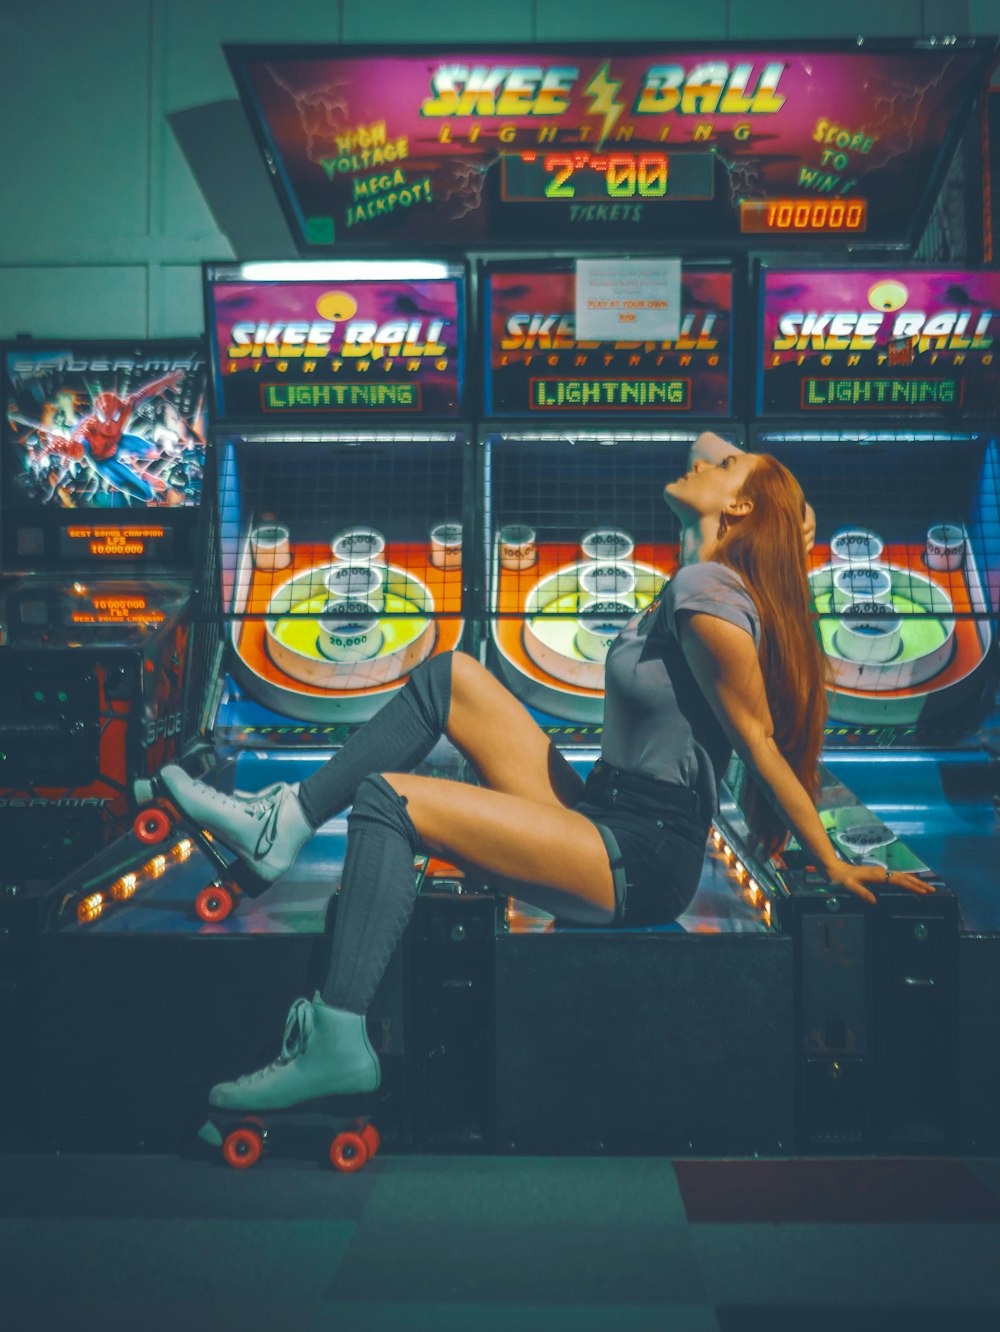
x,y
767,550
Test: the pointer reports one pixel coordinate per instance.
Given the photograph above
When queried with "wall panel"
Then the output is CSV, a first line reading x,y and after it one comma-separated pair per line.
x,y
93,302
437,21
792,19
637,20
175,301
74,106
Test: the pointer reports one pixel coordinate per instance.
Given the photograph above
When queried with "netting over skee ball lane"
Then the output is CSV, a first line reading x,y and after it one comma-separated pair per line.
x,y
578,539
904,573
342,561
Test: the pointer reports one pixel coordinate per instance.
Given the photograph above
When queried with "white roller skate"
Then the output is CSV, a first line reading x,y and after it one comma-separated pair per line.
x,y
321,1084
267,829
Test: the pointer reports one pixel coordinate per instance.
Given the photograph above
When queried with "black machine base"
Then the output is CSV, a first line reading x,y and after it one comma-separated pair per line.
x,y
572,1041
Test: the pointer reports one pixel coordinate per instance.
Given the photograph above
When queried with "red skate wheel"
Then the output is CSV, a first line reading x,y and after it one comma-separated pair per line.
x,y
152,825
215,902
242,1148
348,1151
372,1140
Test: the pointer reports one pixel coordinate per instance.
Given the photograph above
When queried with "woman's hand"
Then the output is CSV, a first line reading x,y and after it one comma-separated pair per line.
x,y
855,879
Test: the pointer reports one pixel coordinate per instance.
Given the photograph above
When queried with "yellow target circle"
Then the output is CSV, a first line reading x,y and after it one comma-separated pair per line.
x,y
887,296
337,306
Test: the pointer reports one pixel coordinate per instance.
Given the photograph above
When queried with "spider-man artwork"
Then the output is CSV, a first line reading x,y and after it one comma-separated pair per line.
x,y
77,442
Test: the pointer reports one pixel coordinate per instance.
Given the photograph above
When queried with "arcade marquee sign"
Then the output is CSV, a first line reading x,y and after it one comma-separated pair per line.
x,y
499,146
908,341
539,365
326,340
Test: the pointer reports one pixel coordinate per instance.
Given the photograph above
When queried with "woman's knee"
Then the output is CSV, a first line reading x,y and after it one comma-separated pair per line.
x,y
471,681
430,690
379,801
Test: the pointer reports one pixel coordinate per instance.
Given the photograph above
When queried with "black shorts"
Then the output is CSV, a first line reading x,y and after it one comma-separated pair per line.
x,y
655,833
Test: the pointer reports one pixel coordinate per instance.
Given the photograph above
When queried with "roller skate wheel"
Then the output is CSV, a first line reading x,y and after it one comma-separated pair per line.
x,y
242,1148
215,902
152,825
372,1140
348,1152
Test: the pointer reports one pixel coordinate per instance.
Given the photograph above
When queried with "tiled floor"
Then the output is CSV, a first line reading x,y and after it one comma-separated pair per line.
x,y
463,1243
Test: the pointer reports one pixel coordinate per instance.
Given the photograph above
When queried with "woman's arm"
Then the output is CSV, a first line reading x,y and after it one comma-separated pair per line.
x,y
724,661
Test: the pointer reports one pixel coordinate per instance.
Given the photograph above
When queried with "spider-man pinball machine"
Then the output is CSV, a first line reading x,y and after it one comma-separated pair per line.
x,y
102,462
101,465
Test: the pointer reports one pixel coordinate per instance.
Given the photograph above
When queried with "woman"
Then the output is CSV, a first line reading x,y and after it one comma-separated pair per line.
x,y
726,658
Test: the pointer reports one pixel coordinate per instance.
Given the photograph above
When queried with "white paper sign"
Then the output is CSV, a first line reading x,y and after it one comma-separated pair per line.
x,y
618,299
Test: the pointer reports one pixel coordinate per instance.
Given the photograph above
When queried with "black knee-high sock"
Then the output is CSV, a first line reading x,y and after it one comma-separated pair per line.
x,y
394,740
377,893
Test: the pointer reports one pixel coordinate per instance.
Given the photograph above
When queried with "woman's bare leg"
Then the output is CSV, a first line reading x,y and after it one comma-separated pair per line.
x,y
524,839
550,856
508,750
450,694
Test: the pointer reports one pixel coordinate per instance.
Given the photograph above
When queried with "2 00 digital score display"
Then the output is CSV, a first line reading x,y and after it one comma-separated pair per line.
x,y
532,176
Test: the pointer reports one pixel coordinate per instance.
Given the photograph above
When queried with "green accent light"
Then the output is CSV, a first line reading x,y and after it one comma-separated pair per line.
x,y
62,696
320,230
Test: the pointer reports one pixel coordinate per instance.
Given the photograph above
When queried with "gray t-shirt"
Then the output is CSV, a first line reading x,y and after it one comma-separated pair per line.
x,y
657,722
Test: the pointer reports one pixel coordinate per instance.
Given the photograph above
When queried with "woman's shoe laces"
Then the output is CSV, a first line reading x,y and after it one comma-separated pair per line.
x,y
254,805
298,1029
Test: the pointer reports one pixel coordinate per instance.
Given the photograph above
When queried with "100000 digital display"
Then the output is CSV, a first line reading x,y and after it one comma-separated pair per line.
x,y
826,216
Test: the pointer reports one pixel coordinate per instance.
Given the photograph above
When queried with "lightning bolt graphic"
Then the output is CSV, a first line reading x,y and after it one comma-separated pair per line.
x,y
322,112
603,91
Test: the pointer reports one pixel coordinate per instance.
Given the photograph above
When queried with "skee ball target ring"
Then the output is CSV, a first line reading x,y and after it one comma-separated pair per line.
x,y
294,638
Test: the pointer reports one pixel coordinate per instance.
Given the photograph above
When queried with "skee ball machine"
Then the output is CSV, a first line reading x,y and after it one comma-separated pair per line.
x,y
343,502
103,455
878,387
575,457
331,548
580,439
574,150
